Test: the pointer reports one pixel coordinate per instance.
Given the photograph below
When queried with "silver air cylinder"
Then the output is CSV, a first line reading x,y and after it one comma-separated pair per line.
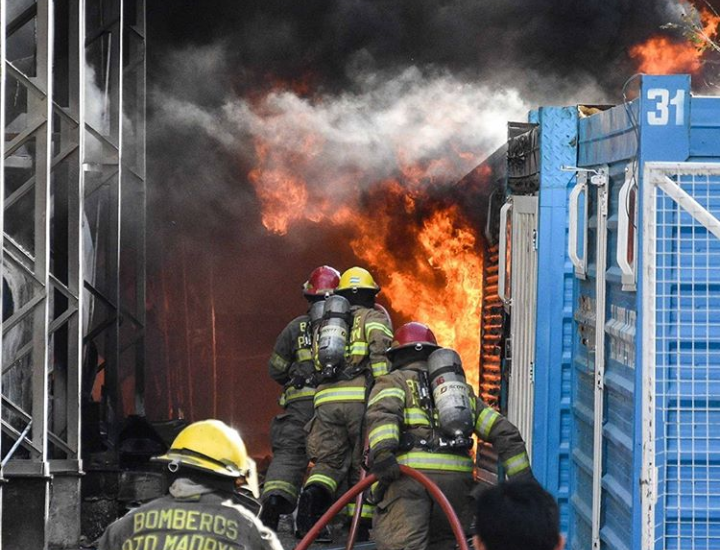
x,y
333,335
316,313
450,393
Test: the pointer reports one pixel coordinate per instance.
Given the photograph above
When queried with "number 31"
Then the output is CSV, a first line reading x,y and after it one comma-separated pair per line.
x,y
661,115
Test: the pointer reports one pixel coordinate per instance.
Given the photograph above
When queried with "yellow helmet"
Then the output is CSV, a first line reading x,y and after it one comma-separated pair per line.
x,y
357,278
212,446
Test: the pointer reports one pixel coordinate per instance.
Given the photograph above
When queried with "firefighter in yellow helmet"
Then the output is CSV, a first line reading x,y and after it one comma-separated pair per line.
x,y
422,414
206,463
291,366
335,438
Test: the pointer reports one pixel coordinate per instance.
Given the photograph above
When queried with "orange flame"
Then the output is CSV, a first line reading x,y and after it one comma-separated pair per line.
x,y
661,55
426,256
445,289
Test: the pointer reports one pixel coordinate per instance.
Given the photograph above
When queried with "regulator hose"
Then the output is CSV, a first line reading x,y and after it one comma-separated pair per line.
x,y
363,484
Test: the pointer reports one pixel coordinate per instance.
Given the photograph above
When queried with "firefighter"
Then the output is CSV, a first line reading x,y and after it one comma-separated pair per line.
x,y
335,433
207,462
291,366
403,428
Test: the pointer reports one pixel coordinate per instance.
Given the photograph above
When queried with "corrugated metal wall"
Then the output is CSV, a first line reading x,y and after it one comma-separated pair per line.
x,y
521,390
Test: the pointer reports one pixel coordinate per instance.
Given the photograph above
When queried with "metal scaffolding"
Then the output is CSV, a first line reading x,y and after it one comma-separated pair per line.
x,y
73,255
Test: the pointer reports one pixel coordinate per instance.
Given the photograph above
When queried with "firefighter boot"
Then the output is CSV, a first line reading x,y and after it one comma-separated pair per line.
x,y
314,501
363,532
272,508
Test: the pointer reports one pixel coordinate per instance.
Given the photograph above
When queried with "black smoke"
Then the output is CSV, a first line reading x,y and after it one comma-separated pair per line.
x,y
490,39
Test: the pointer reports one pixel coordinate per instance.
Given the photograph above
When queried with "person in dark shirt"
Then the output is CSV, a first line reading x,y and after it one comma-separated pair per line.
x,y
517,515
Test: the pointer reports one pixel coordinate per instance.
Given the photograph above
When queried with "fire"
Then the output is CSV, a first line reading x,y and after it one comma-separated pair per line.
x,y
661,55
425,254
445,289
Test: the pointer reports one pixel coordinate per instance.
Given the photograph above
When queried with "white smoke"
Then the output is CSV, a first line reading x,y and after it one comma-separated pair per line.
x,y
384,123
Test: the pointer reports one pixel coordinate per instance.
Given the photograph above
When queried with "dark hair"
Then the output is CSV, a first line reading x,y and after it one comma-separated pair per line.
x,y
517,515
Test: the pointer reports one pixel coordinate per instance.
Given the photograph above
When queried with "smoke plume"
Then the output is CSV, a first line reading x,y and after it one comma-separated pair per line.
x,y
320,104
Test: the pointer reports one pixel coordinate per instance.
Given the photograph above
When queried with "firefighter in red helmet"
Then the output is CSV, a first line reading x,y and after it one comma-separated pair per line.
x,y
291,366
349,355
410,422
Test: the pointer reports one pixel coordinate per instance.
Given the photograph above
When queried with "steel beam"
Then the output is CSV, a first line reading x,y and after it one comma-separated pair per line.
x,y
75,157
3,77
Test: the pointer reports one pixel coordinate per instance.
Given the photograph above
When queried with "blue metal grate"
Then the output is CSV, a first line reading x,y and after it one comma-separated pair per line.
x,y
683,289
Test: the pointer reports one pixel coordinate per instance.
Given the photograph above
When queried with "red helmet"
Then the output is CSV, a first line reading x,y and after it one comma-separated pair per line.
x,y
321,281
413,335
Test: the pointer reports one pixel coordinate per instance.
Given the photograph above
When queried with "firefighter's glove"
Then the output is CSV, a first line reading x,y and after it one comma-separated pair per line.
x,y
386,468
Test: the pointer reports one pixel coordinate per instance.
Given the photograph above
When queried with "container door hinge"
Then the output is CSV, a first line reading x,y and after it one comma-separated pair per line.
x,y
532,372
648,483
600,379
534,239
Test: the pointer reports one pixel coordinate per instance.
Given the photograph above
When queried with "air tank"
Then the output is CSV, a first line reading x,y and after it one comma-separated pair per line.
x,y
317,310
450,393
333,334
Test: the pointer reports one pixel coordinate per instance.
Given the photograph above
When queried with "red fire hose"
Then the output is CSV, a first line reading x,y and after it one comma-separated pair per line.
x,y
363,484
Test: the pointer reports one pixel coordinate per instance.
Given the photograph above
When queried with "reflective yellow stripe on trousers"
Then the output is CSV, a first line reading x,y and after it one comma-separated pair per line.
x,y
321,479
339,395
278,485
366,511
443,462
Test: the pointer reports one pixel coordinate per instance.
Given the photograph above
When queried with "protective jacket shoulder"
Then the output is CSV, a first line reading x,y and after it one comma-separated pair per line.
x,y
205,521
292,356
370,337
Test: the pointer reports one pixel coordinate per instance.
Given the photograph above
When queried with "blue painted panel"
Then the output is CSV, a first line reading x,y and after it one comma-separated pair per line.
x,y
705,127
608,136
665,118
551,438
